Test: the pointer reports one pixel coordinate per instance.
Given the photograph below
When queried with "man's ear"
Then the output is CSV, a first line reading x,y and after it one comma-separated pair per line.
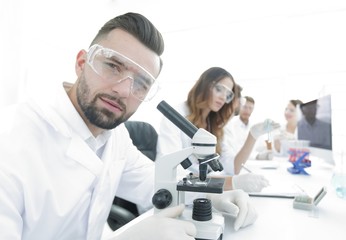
x,y
80,61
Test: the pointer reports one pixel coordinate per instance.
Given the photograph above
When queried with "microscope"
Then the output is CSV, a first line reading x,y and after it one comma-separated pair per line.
x,y
170,191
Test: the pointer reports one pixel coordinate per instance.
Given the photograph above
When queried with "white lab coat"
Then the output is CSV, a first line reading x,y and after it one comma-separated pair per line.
x,y
172,139
52,185
284,137
236,133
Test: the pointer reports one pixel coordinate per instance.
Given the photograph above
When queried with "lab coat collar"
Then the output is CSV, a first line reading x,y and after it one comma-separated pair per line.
x,y
65,119
72,117
70,114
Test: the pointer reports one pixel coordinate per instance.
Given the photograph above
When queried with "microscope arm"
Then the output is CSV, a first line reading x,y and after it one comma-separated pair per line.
x,y
203,144
166,166
166,172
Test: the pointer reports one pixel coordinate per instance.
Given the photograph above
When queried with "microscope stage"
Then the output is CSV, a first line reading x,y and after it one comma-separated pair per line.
x,y
210,185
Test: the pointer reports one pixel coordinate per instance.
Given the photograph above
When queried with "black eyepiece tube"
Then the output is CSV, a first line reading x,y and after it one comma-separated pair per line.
x,y
177,119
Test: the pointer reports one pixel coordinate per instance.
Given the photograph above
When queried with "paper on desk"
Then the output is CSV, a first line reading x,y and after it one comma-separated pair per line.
x,y
280,189
262,164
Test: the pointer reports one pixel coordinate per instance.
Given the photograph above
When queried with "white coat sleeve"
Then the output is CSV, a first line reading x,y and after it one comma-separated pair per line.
x,y
11,206
230,138
137,179
227,158
11,191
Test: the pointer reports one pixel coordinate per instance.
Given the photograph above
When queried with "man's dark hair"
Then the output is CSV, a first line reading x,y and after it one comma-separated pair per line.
x,y
312,103
250,99
296,102
138,26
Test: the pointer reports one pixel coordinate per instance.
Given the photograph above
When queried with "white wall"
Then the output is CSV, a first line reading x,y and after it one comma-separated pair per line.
x,y
277,50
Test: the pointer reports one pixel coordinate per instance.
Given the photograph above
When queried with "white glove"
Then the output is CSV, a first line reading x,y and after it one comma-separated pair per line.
x,y
249,182
237,204
161,226
281,135
265,155
266,126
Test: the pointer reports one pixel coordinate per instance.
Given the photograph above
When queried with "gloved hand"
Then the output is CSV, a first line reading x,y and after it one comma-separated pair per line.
x,y
266,126
284,135
249,182
161,226
265,155
237,204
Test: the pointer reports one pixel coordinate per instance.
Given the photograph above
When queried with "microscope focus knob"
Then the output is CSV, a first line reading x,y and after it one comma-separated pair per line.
x,y
162,199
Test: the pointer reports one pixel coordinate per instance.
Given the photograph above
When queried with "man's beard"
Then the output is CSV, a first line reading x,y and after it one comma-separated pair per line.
x,y
101,118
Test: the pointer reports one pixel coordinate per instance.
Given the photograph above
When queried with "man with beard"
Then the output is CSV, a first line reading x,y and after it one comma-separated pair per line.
x,y
63,161
238,128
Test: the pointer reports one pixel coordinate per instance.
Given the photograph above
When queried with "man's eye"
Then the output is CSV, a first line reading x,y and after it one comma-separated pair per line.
x,y
113,66
142,84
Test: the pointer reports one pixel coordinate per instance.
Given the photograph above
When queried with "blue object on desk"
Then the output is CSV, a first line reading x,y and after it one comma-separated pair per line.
x,y
299,165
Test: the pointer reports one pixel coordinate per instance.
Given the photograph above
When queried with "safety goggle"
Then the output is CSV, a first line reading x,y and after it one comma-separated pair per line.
x,y
115,67
225,91
290,110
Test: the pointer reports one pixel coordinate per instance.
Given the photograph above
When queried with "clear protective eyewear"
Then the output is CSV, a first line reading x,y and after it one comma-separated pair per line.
x,y
225,91
290,110
115,67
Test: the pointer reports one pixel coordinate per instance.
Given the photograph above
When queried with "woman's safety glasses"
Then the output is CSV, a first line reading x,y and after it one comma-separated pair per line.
x,y
115,67
220,89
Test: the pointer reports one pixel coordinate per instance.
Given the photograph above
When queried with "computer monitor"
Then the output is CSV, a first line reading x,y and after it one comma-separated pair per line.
x,y
314,125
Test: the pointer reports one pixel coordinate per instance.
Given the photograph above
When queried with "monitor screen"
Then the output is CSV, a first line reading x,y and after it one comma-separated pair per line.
x,y
314,125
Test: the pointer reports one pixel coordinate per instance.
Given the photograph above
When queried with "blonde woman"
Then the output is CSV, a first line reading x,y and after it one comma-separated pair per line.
x,y
288,131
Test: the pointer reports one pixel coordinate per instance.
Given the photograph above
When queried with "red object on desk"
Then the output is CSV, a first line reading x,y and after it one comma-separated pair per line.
x,y
296,153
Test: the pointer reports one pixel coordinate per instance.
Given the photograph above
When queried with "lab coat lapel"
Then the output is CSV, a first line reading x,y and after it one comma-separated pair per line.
x,y
103,194
79,151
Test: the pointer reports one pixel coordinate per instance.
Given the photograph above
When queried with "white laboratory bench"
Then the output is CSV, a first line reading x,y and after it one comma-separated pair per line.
x,y
277,219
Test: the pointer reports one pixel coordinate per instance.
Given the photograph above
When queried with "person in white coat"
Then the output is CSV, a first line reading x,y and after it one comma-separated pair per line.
x,y
210,104
288,131
63,161
238,127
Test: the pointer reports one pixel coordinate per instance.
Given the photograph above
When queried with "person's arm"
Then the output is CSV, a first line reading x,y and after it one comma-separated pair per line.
x,y
244,153
163,225
138,173
255,132
277,144
280,135
10,208
249,182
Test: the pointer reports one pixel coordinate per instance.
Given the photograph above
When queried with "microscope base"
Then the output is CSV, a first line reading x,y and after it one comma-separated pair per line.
x,y
206,230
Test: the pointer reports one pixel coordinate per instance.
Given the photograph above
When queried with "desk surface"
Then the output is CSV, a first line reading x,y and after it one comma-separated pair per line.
x,y
277,219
